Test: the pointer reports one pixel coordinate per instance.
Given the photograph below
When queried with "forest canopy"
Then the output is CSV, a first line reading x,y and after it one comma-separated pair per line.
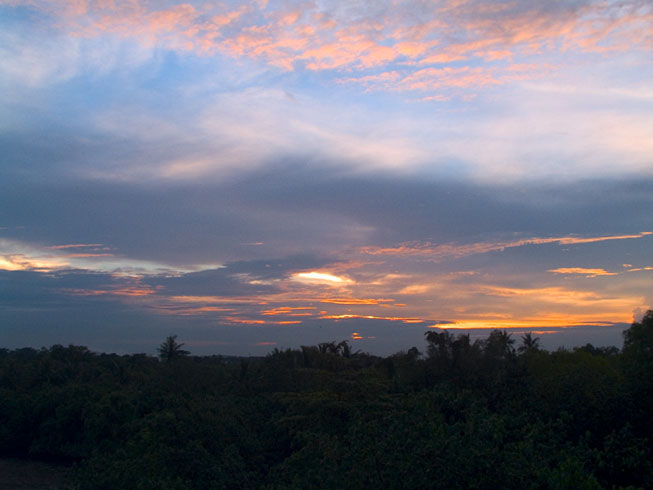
x,y
494,413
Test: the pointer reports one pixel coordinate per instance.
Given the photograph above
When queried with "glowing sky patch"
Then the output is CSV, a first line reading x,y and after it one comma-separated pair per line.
x,y
372,317
355,301
502,325
11,264
321,277
16,262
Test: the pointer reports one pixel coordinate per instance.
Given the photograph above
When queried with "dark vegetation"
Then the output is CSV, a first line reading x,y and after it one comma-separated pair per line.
x,y
491,414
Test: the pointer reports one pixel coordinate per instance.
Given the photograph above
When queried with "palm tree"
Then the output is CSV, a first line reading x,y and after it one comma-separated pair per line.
x,y
169,350
529,343
344,349
328,348
499,345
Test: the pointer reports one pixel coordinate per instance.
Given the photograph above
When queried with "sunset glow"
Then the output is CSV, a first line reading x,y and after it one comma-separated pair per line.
x,y
321,277
283,173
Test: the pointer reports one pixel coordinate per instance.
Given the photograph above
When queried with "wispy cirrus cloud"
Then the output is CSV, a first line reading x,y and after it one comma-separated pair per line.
x,y
452,250
417,41
93,246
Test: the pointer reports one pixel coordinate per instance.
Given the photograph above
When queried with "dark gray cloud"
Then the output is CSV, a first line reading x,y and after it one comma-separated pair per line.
x,y
40,309
417,208
291,209
62,183
40,290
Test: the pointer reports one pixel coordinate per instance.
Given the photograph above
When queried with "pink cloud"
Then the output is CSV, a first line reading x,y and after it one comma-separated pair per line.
x,y
469,42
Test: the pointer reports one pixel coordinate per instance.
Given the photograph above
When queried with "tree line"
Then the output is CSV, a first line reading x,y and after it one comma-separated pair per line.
x,y
493,413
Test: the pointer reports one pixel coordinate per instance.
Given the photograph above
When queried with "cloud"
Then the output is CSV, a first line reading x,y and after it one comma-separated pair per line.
x,y
329,36
321,278
295,209
21,255
239,131
289,310
17,262
36,53
453,250
76,245
34,290
583,271
240,124
356,301
261,293
181,165
372,317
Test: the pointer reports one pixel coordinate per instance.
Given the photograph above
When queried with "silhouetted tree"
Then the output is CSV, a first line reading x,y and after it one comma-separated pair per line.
x,y
499,345
637,359
315,418
439,345
344,349
638,339
461,349
328,348
529,343
169,350
638,349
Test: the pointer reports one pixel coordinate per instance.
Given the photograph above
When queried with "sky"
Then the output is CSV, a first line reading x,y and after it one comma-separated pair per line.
x,y
270,174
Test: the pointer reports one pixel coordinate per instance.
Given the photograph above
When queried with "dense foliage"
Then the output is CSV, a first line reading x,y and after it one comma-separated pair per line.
x,y
465,415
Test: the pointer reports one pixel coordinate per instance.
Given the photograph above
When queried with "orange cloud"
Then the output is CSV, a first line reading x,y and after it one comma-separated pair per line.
x,y
504,306
213,299
583,271
372,317
577,240
356,301
233,319
288,310
591,307
555,294
416,289
200,310
560,322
